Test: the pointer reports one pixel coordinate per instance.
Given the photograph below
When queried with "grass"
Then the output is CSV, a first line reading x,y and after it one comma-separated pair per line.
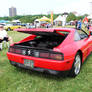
x,y
20,80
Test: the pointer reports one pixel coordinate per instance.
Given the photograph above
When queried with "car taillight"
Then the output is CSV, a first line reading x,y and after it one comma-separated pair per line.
x,y
56,56
14,50
37,53
49,55
44,54
18,51
11,49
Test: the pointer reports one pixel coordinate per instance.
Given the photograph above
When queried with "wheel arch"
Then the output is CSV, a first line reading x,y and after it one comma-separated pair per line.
x,y
81,54
72,71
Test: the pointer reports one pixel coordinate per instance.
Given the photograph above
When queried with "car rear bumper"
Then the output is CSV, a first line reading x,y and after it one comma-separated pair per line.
x,y
41,63
35,68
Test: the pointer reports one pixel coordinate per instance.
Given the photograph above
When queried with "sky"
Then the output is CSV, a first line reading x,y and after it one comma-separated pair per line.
x,y
27,7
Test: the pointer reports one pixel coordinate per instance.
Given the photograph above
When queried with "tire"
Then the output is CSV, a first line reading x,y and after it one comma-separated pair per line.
x,y
76,67
9,29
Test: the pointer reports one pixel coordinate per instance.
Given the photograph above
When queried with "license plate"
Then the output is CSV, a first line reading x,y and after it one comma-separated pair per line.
x,y
29,63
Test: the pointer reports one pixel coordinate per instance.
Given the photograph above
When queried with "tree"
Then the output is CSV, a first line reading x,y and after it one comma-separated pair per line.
x,y
70,17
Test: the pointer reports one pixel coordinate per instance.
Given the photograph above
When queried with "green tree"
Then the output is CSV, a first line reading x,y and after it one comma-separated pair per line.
x,y
70,17
80,17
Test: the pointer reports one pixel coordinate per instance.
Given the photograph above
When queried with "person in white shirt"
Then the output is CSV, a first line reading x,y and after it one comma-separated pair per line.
x,y
4,36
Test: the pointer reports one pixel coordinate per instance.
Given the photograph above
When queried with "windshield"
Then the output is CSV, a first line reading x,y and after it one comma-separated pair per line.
x,y
80,34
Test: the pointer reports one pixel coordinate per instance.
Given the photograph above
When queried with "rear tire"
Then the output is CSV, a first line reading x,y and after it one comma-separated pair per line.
x,y
76,67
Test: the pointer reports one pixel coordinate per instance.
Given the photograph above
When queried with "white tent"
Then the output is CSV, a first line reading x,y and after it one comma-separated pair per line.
x,y
89,17
60,20
17,21
37,20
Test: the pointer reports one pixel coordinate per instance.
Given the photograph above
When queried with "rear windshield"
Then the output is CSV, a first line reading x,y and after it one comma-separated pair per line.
x,y
63,32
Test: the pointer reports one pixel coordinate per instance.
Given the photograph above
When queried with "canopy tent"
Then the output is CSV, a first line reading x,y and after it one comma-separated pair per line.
x,y
17,21
59,18
89,17
44,18
37,20
4,21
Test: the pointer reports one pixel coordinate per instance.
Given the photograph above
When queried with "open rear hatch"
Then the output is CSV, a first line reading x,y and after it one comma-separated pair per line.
x,y
39,31
45,38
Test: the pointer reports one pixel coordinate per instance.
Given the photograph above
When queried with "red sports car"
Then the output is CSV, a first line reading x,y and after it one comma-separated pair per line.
x,y
52,50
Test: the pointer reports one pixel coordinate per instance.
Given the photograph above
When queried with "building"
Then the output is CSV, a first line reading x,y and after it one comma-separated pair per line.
x,y
12,11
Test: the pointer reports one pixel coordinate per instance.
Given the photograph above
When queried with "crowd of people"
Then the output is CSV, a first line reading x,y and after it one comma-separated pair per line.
x,y
78,25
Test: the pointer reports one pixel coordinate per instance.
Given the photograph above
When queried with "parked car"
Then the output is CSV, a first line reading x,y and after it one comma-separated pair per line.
x,y
52,50
23,24
10,27
30,26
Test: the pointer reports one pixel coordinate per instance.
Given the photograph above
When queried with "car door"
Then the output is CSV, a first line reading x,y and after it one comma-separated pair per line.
x,y
82,40
90,44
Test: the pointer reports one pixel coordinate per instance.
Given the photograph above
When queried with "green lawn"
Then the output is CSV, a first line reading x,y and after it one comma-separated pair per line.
x,y
19,80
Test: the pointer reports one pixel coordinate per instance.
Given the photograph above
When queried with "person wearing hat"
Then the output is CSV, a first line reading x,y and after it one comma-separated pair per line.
x,y
4,37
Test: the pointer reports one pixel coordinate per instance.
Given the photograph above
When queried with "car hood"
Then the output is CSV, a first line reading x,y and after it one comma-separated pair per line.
x,y
39,31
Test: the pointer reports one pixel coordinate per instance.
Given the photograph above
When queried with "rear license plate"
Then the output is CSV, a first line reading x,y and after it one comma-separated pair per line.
x,y
29,63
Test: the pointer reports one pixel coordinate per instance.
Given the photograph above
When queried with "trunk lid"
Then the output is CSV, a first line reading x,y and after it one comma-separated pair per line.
x,y
40,31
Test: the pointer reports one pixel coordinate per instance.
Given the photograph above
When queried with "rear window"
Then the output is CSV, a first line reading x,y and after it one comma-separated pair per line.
x,y
63,32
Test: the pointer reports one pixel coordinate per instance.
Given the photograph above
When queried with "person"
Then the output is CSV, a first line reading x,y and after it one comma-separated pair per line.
x,y
79,25
76,23
4,36
88,26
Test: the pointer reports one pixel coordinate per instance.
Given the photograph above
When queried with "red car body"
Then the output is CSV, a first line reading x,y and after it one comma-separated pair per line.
x,y
69,47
